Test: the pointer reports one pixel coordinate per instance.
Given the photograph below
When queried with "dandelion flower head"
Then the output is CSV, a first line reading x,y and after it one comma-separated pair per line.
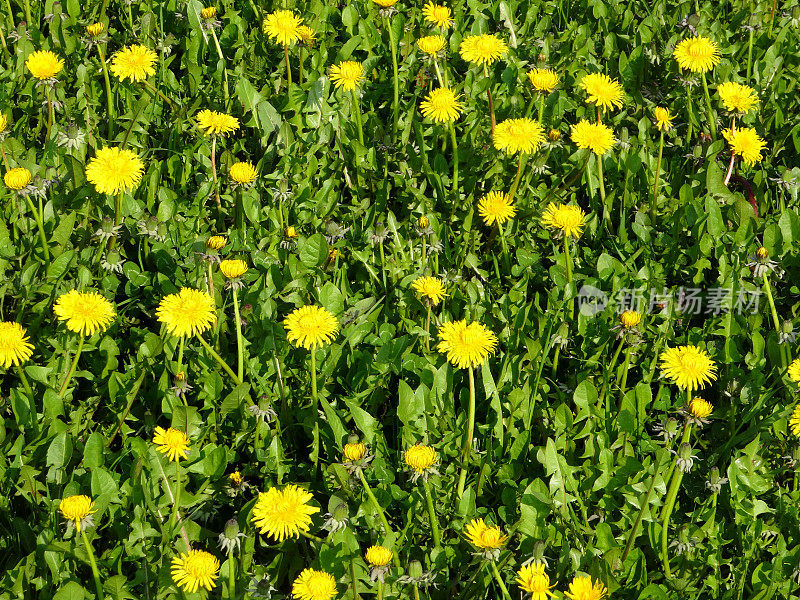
x,y
794,421
483,49
135,63
630,319
533,580
736,97
466,345
583,588
378,556
347,75
243,173
282,26
284,513
431,44
311,326
77,509
567,219
14,346
663,118
602,90
172,442
746,143
597,137
189,312
484,537
700,408
95,29
430,288
114,170
496,207
314,585
233,268
17,178
354,451
688,367
84,312
420,457
543,80
697,54
438,15
441,105
197,569
518,135
44,64
219,123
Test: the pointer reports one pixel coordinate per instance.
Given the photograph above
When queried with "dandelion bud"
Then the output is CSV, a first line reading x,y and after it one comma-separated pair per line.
x,y
232,529
762,253
216,242
341,512
541,57
415,569
209,12
95,29
554,135
423,222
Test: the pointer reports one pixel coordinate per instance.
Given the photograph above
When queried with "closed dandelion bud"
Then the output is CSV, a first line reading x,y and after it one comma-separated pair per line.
x,y
181,376
787,327
630,318
290,232
95,29
333,254
232,529
378,556
541,57
423,222
762,253
700,408
341,512
353,452
554,135
715,481
209,12
415,569
538,553
216,242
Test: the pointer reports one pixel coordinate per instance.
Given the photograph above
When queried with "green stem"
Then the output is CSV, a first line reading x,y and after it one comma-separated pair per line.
x,y
654,199
772,17
109,97
625,368
219,360
29,19
71,371
95,573
380,590
607,373
38,217
396,104
239,339
379,509
24,379
357,112
428,328
750,49
467,448
214,175
541,107
176,505
288,68
489,96
231,575
438,72
455,160
437,538
225,68
635,531
568,261
149,85
775,320
672,494
602,184
523,160
424,256
353,580
383,265
499,580
711,116
503,242
49,113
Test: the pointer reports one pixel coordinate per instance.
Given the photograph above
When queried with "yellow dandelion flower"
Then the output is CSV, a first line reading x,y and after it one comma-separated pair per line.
x,y
518,135
420,457
698,54
794,369
378,556
630,319
209,12
290,232
44,64
663,118
3,122
441,105
353,452
216,242
688,367
567,219
700,408
197,569
496,207
597,137
213,122
482,49
14,346
84,312
554,135
484,537
135,63
385,3
423,222
236,478
746,143
794,421
307,35
243,173
437,14
172,442
543,80
282,26
114,170
233,268
189,312
17,178
283,513
431,44
602,90
79,510
314,585
95,29
430,288
736,97
466,345
311,326
533,580
762,253
583,588
347,75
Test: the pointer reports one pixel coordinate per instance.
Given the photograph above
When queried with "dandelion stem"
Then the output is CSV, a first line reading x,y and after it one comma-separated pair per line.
x,y
353,580
231,575
381,514
523,161
654,199
214,175
357,111
568,261
109,97
29,19
467,448
396,103
437,538
541,107
428,329
47,92
71,371
37,216
750,48
239,339
691,114
383,264
95,573
423,259
312,537
181,345
489,96
602,184
455,160
772,17
775,320
210,281
288,68
672,494
224,68
609,370
634,532
380,590
219,360
503,243
712,121
24,379
499,580
177,500
438,72
158,92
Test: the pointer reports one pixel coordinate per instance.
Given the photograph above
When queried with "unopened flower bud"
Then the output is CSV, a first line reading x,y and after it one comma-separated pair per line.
x,y
415,569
